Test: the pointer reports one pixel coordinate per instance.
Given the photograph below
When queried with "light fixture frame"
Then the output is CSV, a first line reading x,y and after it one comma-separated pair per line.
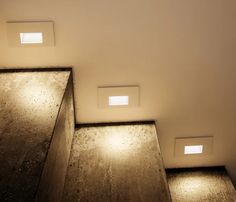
x,y
132,92
14,29
181,142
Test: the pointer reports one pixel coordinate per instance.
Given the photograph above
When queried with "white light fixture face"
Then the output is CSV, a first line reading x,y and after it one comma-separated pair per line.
x,y
193,149
31,38
118,100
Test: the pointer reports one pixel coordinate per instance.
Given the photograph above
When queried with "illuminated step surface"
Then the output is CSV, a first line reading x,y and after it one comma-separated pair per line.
x,y
200,184
116,163
36,125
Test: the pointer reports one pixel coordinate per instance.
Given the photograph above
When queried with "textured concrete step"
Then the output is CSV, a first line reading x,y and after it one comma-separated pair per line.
x,y
34,107
201,184
116,163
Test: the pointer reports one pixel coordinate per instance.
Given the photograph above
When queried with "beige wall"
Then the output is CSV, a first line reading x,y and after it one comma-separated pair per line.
x,y
181,53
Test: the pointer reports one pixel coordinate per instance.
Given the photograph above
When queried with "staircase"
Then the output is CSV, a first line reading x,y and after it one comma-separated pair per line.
x,y
45,158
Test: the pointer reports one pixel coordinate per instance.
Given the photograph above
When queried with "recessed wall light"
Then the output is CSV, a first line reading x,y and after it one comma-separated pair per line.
x,y
193,149
118,100
30,34
31,38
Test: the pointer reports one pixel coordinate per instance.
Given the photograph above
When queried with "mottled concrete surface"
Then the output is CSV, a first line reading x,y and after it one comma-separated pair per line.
x,y
29,104
116,163
54,172
201,184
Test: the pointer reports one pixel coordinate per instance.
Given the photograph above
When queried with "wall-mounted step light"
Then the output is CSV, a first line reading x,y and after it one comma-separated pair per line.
x,y
31,38
121,96
118,100
187,146
30,34
193,149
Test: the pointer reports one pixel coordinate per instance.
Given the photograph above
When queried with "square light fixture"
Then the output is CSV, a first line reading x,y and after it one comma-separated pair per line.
x,y
118,100
201,145
31,38
118,96
30,34
193,149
